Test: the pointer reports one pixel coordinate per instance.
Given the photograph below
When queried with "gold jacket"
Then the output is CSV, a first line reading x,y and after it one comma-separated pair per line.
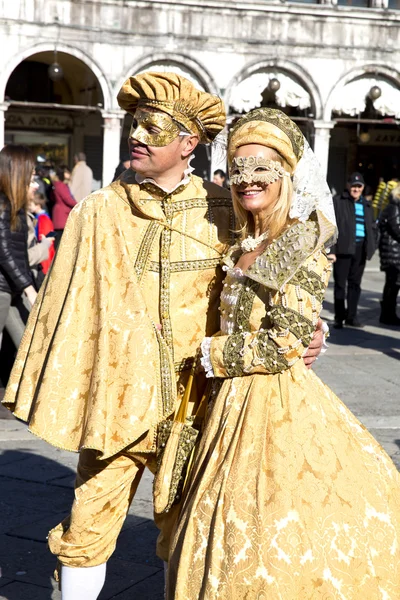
x,y
92,370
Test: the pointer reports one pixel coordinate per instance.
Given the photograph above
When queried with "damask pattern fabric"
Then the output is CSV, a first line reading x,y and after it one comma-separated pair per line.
x,y
290,497
92,370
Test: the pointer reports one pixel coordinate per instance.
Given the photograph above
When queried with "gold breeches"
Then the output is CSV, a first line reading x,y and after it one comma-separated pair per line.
x,y
104,490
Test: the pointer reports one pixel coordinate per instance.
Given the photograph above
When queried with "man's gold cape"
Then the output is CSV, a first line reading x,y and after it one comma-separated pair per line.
x,y
91,342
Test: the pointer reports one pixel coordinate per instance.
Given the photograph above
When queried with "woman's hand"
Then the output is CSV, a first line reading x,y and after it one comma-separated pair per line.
x,y
315,347
31,294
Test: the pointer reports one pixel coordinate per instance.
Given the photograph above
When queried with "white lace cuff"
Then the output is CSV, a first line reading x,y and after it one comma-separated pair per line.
x,y
325,330
324,347
206,358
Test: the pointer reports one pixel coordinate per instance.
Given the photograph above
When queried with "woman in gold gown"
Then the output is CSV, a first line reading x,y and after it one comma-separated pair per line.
x,y
290,497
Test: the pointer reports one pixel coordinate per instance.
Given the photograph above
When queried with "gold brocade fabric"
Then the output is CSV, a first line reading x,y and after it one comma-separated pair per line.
x,y
290,497
92,371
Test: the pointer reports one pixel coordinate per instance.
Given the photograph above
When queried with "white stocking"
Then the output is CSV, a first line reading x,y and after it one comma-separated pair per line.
x,y
82,583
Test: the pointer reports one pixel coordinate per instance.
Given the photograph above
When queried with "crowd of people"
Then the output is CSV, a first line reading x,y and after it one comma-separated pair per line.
x,y
176,331
35,202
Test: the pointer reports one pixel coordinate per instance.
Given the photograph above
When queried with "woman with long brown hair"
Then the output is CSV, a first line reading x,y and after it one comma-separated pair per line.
x,y
16,167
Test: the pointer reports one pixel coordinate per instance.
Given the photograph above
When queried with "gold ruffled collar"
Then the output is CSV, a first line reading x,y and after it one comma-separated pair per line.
x,y
283,257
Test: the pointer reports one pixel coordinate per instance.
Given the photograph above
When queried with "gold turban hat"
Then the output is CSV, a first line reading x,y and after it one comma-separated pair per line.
x,y
268,127
198,112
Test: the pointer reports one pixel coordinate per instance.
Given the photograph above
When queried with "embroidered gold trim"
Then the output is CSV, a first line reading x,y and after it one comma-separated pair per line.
x,y
299,325
187,265
244,305
201,202
144,250
285,255
165,276
168,396
309,281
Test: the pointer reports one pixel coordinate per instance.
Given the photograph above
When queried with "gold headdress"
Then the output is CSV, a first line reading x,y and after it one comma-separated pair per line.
x,y
311,194
268,127
198,112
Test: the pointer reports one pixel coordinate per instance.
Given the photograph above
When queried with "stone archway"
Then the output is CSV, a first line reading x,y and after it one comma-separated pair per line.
x,y
58,118
372,73
297,89
364,106
48,47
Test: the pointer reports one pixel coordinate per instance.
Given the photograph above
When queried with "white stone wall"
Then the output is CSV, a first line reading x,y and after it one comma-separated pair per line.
x,y
220,43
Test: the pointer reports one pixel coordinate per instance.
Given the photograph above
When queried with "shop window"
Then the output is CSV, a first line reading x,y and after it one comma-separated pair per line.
x,y
357,3
394,4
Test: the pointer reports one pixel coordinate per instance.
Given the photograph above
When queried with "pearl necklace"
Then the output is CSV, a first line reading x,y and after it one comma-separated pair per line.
x,y
250,243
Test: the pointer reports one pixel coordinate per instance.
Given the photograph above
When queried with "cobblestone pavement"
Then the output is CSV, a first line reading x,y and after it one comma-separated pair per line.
x,y
361,366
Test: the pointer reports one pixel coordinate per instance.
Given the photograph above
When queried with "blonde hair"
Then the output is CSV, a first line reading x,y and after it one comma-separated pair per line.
x,y
278,219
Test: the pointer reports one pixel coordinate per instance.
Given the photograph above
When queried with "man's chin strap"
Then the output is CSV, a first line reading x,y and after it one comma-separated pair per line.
x,y
82,583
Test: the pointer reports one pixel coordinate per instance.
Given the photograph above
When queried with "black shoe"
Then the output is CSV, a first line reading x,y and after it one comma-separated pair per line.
x,y
354,323
338,324
390,320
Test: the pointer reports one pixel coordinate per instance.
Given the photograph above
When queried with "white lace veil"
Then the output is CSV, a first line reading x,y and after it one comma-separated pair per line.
x,y
312,194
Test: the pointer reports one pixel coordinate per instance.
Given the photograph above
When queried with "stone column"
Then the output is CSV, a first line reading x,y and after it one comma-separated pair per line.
x,y
3,107
321,142
379,3
111,143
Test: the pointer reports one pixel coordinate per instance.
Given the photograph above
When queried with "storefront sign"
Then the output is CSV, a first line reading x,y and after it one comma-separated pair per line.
x,y
38,121
380,137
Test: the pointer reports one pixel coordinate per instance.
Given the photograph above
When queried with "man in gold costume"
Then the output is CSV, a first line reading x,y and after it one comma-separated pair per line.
x,y
110,342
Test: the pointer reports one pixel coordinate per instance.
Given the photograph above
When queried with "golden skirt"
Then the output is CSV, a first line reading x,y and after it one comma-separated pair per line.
x,y
290,498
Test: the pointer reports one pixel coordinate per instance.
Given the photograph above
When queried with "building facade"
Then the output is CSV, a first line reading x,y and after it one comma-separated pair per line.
x,y
334,67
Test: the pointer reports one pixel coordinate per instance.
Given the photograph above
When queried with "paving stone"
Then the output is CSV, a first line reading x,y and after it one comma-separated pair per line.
x,y
31,495
4,412
12,516
139,541
142,508
4,581
390,441
22,591
31,559
152,588
122,575
11,456
35,468
37,530
68,481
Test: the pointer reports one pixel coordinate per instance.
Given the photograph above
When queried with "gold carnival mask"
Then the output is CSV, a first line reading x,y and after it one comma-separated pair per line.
x,y
153,128
255,169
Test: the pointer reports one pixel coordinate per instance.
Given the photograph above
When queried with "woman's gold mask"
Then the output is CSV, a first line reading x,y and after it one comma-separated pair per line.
x,y
255,169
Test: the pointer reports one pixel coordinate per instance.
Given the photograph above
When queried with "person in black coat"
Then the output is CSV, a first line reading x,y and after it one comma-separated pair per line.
x,y
355,245
16,170
389,252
